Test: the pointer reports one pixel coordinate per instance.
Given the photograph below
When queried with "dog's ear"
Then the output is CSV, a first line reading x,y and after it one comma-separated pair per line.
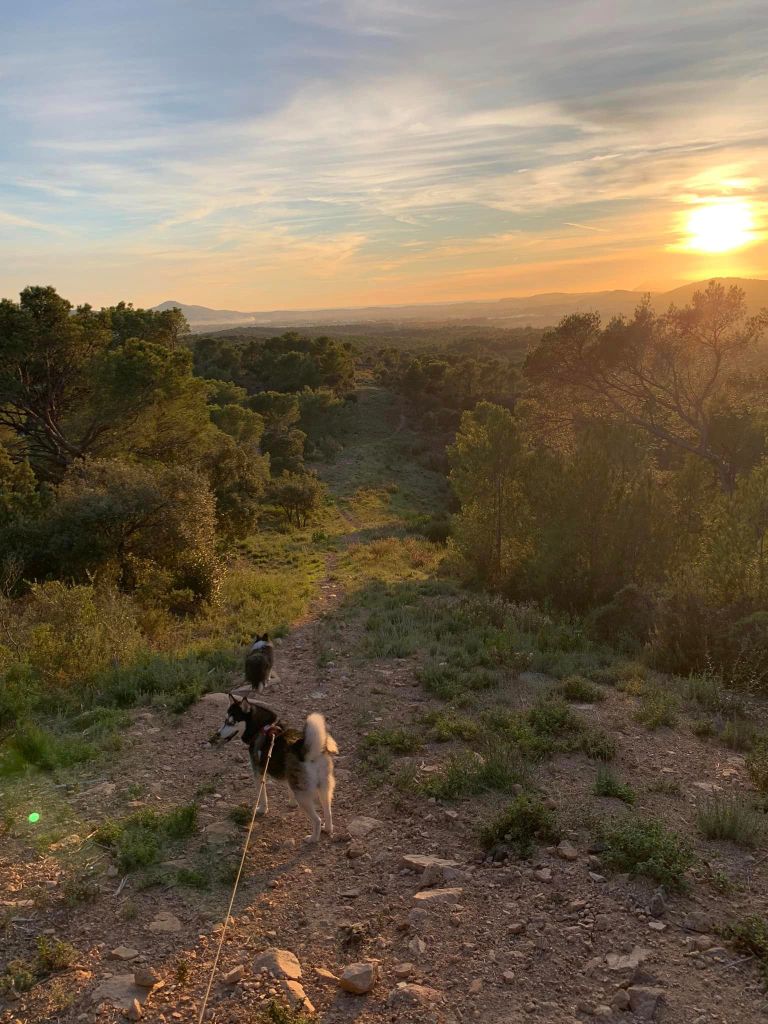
x,y
245,704
265,637
235,699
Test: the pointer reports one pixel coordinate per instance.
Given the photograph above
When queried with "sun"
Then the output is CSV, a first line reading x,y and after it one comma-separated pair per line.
x,y
720,226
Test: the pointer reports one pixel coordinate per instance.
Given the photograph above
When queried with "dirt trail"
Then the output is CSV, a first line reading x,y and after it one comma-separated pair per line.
x,y
540,941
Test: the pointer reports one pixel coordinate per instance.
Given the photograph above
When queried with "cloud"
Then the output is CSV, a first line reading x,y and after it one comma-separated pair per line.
x,y
367,137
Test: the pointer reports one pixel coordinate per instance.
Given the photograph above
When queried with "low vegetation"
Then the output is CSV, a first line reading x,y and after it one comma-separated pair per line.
x,y
608,784
731,818
140,840
519,826
644,846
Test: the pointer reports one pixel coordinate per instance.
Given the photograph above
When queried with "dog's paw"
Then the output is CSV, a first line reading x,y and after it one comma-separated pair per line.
x,y
311,840
261,812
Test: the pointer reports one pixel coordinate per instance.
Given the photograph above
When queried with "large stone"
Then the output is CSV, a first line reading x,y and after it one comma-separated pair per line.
x,y
567,851
420,862
410,995
431,897
358,978
619,963
360,827
164,921
145,977
296,996
281,963
120,990
124,953
645,1001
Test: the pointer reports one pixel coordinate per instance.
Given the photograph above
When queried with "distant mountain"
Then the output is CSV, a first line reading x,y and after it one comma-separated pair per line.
x,y
532,310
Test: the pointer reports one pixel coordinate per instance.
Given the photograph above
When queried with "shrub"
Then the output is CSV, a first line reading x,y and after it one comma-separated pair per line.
x,y
629,616
738,734
579,691
608,784
597,745
138,840
299,496
399,741
750,936
643,846
448,725
757,766
730,818
467,774
525,821
657,709
240,815
54,955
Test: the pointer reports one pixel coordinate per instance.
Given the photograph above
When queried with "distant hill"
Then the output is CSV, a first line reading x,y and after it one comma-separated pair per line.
x,y
534,310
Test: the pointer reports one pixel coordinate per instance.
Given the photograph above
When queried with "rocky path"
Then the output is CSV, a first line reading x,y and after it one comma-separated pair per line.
x,y
397,919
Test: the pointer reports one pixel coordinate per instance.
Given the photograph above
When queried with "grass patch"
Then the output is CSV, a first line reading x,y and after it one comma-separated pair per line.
x,y
523,823
643,846
757,766
277,1013
750,936
703,728
732,819
139,840
665,787
468,774
450,725
658,708
738,734
398,741
52,955
579,690
240,815
608,784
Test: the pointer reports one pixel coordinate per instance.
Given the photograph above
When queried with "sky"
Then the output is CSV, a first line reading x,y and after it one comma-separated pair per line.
x,y
268,154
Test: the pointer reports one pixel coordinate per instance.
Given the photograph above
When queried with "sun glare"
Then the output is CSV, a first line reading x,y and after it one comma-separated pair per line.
x,y
720,226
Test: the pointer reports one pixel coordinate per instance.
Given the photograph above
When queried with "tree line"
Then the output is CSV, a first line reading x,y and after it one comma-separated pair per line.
x,y
627,480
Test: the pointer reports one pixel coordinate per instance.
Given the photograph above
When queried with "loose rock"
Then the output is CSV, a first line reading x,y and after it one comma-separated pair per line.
x,y
281,963
644,1002
124,953
567,851
410,995
358,978
165,922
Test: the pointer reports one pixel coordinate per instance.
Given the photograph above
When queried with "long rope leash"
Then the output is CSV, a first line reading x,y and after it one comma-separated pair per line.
x,y
237,882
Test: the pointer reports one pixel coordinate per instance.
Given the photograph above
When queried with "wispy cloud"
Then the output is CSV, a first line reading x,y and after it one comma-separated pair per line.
x,y
313,147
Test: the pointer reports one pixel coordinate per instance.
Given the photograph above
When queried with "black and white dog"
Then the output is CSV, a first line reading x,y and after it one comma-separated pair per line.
x,y
302,759
259,661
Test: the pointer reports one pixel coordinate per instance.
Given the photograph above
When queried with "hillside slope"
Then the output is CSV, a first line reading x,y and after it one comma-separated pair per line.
x,y
435,698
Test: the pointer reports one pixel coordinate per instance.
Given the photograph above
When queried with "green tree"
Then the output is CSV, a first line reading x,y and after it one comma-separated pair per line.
x,y
69,389
131,522
298,496
671,375
486,462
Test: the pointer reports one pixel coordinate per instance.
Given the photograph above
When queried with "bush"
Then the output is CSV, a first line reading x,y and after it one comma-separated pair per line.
x,y
757,766
298,496
608,784
525,821
467,774
579,690
730,818
628,616
750,936
657,709
643,846
138,840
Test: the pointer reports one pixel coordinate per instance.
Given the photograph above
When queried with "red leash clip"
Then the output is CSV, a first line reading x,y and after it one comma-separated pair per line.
x,y
272,730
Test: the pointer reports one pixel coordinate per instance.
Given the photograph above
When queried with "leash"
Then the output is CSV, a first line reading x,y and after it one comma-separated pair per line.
x,y
273,734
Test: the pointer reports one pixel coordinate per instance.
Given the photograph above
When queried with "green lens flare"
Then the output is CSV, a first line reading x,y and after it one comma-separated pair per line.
x,y
34,816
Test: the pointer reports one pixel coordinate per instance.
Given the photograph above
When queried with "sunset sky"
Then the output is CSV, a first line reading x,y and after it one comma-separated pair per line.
x,y
265,154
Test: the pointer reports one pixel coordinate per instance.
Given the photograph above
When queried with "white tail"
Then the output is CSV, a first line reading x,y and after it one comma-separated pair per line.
x,y
317,739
